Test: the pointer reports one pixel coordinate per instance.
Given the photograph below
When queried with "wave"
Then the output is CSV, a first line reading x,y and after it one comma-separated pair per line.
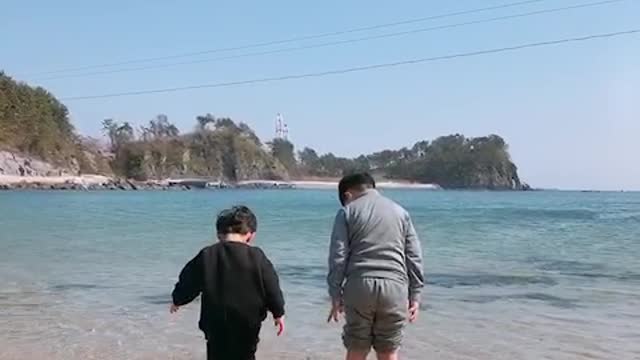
x,y
568,265
74,286
621,216
583,269
551,300
459,280
544,214
159,299
303,274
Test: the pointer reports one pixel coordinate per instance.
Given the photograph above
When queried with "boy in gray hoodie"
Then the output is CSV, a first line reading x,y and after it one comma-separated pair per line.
x,y
375,269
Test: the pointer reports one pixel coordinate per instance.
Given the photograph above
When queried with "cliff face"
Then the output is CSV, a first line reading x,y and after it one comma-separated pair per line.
x,y
20,165
503,176
224,152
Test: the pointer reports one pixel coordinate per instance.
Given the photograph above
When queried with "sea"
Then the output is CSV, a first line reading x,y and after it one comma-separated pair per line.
x,y
510,275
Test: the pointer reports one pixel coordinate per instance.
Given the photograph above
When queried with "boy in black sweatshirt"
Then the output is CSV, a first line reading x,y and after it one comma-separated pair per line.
x,y
238,286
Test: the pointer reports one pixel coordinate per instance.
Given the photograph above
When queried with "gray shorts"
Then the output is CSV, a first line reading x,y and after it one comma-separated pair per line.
x,y
376,312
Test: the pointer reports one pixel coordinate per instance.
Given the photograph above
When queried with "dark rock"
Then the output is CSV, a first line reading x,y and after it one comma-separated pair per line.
x,y
132,186
36,186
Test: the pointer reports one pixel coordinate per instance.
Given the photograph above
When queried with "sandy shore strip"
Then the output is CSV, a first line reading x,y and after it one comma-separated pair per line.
x,y
99,180
54,180
321,185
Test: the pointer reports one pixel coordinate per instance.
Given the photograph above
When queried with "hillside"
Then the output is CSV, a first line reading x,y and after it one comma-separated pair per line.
x,y
453,162
37,138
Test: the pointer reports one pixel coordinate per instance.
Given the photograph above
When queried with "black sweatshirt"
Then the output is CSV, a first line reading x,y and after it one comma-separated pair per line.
x,y
238,286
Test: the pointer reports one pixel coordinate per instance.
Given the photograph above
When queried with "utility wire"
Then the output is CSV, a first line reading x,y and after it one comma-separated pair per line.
x,y
361,68
296,39
341,42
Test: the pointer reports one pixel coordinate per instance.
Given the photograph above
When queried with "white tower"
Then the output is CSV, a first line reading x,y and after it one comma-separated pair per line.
x,y
282,129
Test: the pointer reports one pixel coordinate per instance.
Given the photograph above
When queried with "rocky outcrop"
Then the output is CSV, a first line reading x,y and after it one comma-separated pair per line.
x,y
21,165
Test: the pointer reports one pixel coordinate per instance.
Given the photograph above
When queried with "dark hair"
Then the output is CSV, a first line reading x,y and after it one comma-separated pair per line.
x,y
237,220
358,181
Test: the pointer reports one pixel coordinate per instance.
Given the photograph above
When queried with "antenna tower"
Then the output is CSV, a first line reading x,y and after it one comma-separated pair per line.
x,y
282,129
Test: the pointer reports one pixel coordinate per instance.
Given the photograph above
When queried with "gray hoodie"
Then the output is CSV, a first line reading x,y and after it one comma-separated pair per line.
x,y
373,237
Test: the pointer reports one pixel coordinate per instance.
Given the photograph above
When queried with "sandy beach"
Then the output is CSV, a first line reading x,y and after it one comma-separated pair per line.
x,y
54,180
329,184
97,180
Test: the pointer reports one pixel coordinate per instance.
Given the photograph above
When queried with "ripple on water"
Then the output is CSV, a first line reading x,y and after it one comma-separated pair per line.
x,y
567,265
582,269
458,280
316,276
78,286
158,299
304,274
555,301
544,214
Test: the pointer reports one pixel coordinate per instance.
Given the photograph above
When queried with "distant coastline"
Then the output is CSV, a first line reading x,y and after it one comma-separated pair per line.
x,y
100,182
37,138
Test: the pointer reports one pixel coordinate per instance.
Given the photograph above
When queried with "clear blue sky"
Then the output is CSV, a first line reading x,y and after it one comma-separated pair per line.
x,y
570,113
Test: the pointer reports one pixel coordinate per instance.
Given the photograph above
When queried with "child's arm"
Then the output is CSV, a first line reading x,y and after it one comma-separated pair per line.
x,y
338,253
189,284
274,298
415,271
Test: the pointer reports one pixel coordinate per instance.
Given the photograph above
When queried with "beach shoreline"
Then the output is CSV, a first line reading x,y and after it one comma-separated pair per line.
x,y
101,182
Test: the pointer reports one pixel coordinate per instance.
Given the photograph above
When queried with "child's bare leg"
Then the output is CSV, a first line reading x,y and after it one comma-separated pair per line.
x,y
393,355
357,355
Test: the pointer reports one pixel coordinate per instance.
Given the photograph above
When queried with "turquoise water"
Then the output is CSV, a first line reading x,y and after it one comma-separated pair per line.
x,y
544,275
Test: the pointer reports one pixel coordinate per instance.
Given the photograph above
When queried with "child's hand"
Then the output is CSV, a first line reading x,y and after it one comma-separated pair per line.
x,y
279,322
336,310
173,309
414,310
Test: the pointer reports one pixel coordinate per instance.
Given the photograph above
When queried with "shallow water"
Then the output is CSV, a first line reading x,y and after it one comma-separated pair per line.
x,y
544,275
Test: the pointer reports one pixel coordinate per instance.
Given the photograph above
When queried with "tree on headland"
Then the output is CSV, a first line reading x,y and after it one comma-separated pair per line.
x,y
118,133
309,160
204,121
159,128
283,151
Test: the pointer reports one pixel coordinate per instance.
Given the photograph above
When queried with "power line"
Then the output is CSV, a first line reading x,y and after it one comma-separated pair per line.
x,y
360,68
296,39
340,42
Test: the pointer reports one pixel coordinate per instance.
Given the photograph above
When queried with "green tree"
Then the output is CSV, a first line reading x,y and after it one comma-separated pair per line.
x,y
309,162
34,122
159,128
283,151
